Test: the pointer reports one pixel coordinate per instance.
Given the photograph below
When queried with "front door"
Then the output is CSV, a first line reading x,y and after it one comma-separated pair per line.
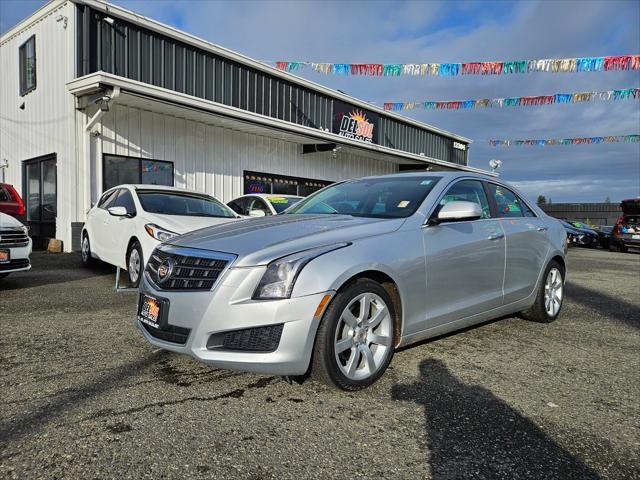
x,y
41,198
464,260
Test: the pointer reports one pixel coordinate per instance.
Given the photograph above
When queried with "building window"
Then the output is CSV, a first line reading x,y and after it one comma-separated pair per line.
x,y
255,182
27,53
119,170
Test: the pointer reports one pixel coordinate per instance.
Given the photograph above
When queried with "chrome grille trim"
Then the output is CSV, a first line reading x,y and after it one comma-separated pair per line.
x,y
195,270
13,237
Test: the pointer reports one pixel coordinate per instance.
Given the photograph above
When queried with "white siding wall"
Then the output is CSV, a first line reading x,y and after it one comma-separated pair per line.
x,y
46,125
212,159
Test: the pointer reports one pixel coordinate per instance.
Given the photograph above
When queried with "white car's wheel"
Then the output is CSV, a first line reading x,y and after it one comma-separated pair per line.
x,y
85,251
355,340
135,263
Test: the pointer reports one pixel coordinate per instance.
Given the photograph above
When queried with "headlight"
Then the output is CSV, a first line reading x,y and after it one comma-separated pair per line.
x,y
159,233
280,277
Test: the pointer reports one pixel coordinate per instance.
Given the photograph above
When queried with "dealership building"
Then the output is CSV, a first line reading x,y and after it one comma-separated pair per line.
x,y
93,95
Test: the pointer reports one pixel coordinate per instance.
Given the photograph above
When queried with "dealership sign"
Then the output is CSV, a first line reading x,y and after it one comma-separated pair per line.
x,y
355,123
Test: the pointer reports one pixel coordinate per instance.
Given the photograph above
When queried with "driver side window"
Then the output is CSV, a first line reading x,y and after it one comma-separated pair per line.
x,y
468,191
258,204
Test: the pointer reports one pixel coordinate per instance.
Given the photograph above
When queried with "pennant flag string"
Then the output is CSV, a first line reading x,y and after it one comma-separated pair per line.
x,y
559,65
566,141
577,97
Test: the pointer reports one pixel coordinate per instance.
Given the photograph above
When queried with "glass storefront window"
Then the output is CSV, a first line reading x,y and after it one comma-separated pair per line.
x,y
255,182
119,170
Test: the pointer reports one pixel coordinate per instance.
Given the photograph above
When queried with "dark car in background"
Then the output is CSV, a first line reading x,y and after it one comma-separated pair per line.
x,y
580,237
11,202
604,233
626,231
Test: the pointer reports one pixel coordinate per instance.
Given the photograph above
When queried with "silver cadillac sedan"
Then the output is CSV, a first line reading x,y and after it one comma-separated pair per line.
x,y
337,282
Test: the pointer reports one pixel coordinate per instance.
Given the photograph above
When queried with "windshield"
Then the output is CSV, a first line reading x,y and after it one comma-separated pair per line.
x,y
391,197
280,204
186,204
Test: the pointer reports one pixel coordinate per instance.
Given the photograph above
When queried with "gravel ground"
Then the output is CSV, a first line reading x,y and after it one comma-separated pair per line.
x,y
84,396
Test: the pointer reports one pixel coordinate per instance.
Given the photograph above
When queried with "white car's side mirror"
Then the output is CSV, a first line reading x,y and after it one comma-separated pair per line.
x,y
459,210
256,213
118,211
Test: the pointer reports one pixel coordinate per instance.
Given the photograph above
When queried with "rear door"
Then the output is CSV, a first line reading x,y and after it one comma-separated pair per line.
x,y
527,243
465,260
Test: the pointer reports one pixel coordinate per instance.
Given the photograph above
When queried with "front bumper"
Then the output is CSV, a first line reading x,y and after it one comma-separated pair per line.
x,y
19,259
229,307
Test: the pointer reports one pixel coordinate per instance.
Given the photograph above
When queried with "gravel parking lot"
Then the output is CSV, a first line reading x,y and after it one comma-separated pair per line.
x,y
84,396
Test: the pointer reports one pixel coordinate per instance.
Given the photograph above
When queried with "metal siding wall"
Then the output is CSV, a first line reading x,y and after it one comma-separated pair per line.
x,y
47,123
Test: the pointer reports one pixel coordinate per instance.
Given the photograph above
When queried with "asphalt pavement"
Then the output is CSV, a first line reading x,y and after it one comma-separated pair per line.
x,y
83,395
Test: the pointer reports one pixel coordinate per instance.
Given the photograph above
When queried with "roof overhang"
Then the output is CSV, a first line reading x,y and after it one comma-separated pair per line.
x,y
153,98
151,24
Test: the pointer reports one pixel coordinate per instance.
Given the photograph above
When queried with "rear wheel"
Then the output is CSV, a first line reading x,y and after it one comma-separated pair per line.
x,y
134,263
355,340
85,251
549,297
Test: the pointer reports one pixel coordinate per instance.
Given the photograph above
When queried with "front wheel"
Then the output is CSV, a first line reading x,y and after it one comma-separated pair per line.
x,y
355,339
549,296
135,263
85,251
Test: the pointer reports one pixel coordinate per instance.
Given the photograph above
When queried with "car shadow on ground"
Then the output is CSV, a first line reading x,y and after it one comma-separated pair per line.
x,y
471,433
623,311
52,269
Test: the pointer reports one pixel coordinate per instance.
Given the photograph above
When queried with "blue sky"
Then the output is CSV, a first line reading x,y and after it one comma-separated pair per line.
x,y
433,31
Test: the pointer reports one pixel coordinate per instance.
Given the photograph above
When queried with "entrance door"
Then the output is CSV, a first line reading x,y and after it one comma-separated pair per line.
x,y
41,197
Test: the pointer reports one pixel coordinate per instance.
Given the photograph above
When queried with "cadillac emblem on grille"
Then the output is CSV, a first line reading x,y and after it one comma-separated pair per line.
x,y
165,270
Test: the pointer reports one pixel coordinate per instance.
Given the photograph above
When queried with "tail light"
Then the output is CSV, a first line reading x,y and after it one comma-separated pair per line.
x,y
18,199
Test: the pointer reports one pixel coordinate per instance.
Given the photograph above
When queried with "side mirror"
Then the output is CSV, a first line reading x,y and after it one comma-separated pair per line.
x,y
459,210
257,213
118,211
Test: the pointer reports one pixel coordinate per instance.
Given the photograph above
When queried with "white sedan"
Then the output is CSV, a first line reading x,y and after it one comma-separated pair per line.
x,y
15,246
262,204
129,221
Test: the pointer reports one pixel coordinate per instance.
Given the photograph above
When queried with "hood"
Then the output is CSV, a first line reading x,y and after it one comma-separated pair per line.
x,y
258,241
7,221
631,206
184,223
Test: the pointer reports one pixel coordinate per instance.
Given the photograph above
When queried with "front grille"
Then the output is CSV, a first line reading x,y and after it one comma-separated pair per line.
x,y
14,264
13,237
190,272
168,333
258,339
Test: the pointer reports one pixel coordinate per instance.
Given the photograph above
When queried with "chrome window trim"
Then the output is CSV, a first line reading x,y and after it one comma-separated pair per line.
x,y
230,258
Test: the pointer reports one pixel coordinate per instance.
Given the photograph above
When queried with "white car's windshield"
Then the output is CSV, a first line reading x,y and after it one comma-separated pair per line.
x,y
178,203
391,197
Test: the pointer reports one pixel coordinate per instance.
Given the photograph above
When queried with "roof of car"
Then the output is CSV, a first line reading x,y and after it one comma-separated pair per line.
x,y
422,173
270,195
141,186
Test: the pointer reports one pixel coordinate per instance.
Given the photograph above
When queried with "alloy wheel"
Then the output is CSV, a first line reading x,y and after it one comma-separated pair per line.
x,y
553,292
85,249
363,337
134,265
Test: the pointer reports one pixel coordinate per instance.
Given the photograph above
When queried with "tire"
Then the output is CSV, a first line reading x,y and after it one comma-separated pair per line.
x,y
135,264
617,248
551,286
354,347
85,252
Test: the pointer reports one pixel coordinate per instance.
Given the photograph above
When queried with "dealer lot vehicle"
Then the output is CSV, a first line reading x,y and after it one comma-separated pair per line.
x,y
418,255
129,221
626,231
262,204
580,237
11,202
15,246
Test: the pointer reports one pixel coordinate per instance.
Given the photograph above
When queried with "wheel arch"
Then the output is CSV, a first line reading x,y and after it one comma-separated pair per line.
x,y
390,285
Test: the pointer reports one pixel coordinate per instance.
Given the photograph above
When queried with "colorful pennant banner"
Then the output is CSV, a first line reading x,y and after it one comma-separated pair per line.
x,y
566,141
558,65
577,97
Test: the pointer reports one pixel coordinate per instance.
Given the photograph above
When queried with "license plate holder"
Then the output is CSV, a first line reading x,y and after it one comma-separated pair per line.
x,y
152,311
5,256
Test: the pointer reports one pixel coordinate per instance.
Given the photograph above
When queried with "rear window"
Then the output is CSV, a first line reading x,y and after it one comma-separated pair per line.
x,y
280,204
4,195
184,204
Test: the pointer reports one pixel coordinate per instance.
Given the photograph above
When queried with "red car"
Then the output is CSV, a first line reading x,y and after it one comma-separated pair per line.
x,y
626,232
11,203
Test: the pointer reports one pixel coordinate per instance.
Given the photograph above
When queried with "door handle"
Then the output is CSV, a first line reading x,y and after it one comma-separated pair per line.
x,y
495,236
542,229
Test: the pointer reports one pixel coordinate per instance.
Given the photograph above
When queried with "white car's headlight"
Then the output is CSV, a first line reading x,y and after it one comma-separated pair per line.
x,y
159,233
280,277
